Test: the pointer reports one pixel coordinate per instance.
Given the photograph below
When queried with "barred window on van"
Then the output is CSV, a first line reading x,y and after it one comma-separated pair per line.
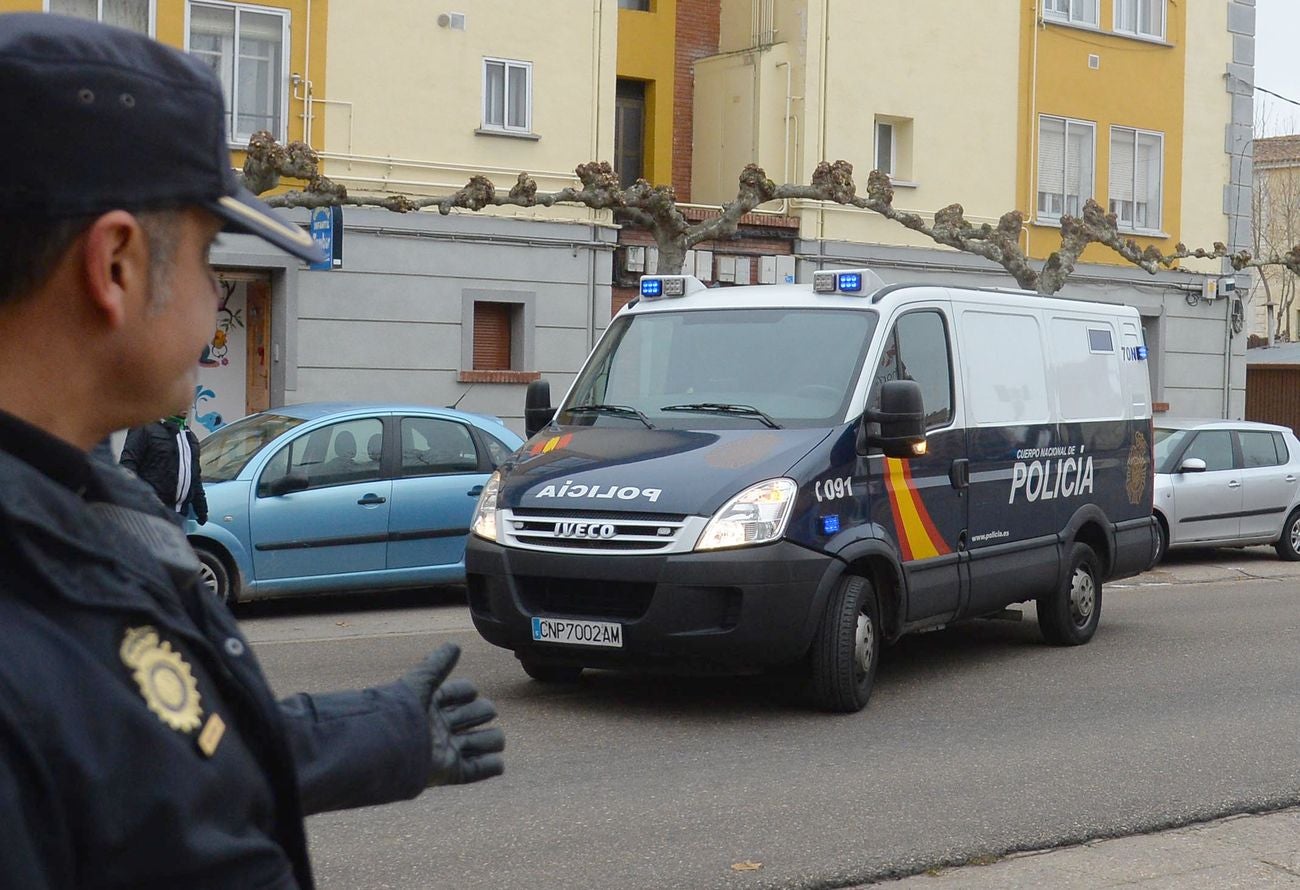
x,y
1100,340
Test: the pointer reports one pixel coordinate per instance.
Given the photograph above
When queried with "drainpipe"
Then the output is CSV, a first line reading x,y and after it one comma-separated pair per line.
x,y
306,73
785,146
821,106
1227,351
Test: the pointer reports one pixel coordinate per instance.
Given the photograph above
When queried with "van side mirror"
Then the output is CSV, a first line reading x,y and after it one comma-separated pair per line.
x,y
537,407
1192,465
901,418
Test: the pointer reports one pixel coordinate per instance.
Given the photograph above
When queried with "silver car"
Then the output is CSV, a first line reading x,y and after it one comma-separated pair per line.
x,y
1227,483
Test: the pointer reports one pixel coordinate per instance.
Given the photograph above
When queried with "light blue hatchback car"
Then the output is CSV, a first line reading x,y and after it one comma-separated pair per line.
x,y
326,497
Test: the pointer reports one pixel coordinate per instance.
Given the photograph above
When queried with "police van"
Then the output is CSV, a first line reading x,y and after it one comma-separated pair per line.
x,y
793,475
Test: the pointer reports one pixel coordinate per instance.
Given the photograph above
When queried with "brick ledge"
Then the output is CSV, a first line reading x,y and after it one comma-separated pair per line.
x,y
497,376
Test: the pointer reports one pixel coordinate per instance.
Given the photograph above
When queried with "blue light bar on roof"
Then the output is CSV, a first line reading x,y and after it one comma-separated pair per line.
x,y
850,282
652,288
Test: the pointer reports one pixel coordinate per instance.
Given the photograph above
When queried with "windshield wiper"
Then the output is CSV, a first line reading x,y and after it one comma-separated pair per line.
x,y
618,410
719,408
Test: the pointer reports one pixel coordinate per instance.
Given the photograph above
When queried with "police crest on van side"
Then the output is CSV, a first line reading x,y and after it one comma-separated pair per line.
x,y
1139,461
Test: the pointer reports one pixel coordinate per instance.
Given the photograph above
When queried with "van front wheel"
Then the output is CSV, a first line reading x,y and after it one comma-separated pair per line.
x,y
846,650
1068,616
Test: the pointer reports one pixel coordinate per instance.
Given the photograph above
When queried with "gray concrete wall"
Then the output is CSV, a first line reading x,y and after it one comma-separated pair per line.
x,y
394,323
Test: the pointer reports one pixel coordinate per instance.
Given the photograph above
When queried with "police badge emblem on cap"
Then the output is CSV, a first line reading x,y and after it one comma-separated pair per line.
x,y
165,680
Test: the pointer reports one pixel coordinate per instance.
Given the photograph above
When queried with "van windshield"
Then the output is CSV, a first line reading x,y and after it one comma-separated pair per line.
x,y
723,369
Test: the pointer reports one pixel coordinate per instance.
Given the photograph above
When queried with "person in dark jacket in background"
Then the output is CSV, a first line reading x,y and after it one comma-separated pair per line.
x,y
141,746
165,454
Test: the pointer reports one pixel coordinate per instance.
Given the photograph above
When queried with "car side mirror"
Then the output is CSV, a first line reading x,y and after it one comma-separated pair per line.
x,y
288,483
901,420
537,407
1192,465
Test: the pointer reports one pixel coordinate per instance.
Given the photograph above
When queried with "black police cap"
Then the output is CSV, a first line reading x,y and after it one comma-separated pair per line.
x,y
98,118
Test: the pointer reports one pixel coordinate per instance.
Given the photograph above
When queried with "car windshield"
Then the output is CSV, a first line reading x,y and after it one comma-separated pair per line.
x,y
1169,444
224,453
723,369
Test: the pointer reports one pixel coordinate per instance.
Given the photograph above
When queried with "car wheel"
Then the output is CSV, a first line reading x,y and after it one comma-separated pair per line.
x,y
1068,616
1162,542
1288,546
846,651
545,672
214,576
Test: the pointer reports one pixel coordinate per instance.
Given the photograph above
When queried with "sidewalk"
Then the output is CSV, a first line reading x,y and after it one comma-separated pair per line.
x,y
1246,851
1239,851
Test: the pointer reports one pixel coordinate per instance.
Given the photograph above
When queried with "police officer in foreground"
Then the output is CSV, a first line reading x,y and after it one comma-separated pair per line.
x,y
140,745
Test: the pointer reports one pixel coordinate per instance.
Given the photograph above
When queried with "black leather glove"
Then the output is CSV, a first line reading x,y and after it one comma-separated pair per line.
x,y
461,753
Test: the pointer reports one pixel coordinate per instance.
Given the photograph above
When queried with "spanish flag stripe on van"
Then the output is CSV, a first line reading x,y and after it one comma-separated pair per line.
x,y
918,537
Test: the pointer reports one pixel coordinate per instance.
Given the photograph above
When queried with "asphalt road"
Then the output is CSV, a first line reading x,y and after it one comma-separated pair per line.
x,y
978,740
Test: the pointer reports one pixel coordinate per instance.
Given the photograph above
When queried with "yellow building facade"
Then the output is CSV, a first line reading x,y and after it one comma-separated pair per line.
x,y
266,84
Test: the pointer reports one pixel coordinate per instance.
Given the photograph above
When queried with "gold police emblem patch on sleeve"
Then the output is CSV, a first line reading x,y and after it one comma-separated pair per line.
x,y
165,680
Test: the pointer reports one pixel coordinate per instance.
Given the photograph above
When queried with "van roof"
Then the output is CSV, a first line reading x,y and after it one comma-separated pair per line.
x,y
801,296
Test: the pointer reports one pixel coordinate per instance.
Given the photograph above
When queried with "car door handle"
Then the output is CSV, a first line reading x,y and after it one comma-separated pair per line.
x,y
1234,484
371,500
1290,478
475,491
959,473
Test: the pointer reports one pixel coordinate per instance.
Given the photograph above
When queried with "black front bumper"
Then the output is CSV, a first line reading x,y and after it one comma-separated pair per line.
x,y
733,610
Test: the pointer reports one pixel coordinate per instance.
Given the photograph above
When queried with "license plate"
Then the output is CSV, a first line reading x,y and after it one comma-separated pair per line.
x,y
578,633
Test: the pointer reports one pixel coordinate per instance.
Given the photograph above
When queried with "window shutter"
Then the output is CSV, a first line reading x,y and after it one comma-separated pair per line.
x,y
491,336
1121,165
518,94
1051,155
1147,176
494,98
1078,157
1126,15
885,148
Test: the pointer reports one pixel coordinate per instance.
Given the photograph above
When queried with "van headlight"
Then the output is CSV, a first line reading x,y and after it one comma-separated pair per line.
x,y
484,523
755,516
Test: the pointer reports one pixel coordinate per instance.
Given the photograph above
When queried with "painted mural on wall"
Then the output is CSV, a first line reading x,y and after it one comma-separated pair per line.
x,y
219,397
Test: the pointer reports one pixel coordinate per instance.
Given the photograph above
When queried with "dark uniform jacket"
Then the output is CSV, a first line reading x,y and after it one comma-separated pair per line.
x,y
140,745
151,453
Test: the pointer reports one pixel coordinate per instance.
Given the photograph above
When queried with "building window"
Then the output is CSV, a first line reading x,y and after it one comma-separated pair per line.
x,y
1146,18
507,95
1135,177
1065,166
1077,12
893,147
629,131
492,336
885,148
136,15
245,48
643,5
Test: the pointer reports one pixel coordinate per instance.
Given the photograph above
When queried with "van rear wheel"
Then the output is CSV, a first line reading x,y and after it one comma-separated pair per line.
x,y
1068,616
846,651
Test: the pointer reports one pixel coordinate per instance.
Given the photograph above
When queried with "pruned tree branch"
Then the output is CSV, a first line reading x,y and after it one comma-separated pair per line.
x,y
655,208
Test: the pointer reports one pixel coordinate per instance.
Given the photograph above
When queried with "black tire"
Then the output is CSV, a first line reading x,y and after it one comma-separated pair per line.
x,y
1288,546
215,577
1162,542
1068,616
545,672
846,651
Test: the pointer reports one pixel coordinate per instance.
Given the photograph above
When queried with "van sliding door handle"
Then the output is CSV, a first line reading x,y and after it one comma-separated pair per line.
x,y
959,473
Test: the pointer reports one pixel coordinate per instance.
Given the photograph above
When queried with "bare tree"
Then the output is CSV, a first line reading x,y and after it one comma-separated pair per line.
x,y
655,208
1275,211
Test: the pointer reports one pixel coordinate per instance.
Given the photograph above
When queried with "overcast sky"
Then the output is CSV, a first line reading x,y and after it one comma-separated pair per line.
x,y
1277,65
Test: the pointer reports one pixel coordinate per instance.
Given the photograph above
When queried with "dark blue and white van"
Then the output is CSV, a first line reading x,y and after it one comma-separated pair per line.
x,y
792,475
